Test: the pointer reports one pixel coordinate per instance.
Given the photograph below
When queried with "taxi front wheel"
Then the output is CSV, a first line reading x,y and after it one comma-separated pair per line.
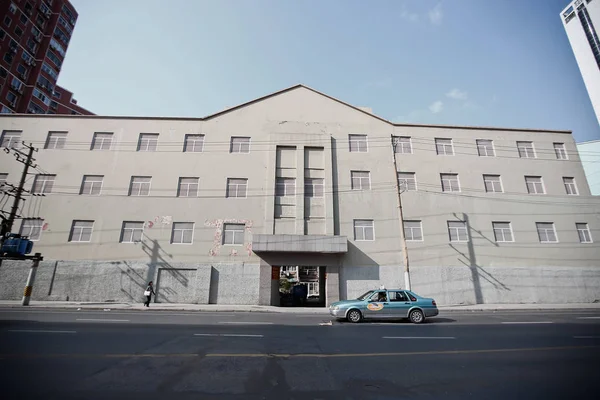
x,y
354,316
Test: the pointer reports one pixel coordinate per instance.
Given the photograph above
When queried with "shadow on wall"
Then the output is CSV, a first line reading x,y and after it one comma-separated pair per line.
x,y
213,293
363,268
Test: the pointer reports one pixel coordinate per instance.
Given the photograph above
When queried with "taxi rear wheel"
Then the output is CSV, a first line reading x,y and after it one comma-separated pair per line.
x,y
416,316
354,316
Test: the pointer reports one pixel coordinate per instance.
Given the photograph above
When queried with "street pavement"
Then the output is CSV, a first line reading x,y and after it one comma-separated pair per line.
x,y
150,354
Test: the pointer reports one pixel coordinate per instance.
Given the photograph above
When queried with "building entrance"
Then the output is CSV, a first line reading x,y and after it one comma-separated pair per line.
x,y
301,286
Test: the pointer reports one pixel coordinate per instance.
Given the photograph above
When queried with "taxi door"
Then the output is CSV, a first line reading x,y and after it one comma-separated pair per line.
x,y
399,304
376,308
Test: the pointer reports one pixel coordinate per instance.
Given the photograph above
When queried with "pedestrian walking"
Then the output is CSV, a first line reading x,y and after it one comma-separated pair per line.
x,y
148,293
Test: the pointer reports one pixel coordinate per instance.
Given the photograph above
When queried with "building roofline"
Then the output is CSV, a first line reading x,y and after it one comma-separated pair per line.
x,y
268,96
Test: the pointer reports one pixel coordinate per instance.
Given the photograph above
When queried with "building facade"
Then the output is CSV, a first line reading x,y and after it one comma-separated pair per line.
x,y
212,208
581,19
34,38
589,152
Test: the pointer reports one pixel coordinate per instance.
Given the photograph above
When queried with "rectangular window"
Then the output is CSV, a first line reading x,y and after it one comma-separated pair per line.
x,y
583,230
450,183
407,181
49,70
140,186
193,144
493,183
570,186
358,143
546,232
3,178
444,147
233,234
314,187
54,58
236,187
535,185
457,230
361,180
485,148
402,145
32,228
183,233
81,231
502,231
285,187
102,141
526,149
364,229
56,140
43,184
147,142
10,139
413,231
239,144
12,98
91,185
132,231
561,151
188,187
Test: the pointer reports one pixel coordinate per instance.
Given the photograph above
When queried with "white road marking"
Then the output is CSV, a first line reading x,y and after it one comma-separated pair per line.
x,y
38,331
527,322
586,337
227,335
588,317
101,320
418,337
246,323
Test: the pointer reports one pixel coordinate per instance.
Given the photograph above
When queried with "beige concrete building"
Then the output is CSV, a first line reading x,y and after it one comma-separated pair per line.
x,y
207,207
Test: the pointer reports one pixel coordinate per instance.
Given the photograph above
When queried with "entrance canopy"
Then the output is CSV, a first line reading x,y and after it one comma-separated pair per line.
x,y
299,243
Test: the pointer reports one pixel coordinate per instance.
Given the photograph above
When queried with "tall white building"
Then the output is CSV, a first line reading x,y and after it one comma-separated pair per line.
x,y
581,19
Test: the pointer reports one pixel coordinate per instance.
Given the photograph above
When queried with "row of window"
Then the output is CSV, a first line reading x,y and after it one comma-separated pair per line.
x,y
364,230
241,144
285,187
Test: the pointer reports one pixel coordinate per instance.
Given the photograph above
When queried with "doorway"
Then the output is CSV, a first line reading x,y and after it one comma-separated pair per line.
x,y
301,286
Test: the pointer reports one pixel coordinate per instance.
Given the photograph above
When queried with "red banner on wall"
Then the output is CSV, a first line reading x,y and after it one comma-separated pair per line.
x,y
275,273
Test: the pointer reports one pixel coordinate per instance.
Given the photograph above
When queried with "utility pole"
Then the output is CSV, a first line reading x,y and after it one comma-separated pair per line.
x,y
401,218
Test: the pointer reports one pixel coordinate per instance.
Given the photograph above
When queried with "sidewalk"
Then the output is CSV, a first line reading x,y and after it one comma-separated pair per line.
x,y
272,309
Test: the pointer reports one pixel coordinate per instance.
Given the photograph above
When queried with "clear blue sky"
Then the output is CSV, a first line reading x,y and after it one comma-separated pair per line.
x,y
468,62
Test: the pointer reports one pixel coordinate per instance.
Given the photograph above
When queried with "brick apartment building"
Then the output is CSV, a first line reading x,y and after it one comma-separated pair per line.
x,y
34,37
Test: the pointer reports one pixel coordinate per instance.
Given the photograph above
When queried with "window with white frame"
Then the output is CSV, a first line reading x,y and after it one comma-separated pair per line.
x,y
493,183
140,185
364,229
526,149
314,187
561,151
360,180
188,187
10,139
502,231
102,141
193,144
91,185
56,140
183,233
32,228
239,144
407,181
132,231
402,145
285,187
358,143
457,230
535,185
147,142
444,147
3,179
485,148
546,232
413,231
233,234
43,184
81,231
570,185
583,230
236,187
450,183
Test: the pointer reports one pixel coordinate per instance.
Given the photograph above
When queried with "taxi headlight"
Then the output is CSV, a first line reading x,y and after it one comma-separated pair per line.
x,y
335,308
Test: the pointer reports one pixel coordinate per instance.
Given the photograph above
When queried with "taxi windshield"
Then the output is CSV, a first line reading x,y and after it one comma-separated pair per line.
x,y
365,296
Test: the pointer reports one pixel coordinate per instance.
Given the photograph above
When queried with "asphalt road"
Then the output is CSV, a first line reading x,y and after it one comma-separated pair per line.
x,y
52,354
